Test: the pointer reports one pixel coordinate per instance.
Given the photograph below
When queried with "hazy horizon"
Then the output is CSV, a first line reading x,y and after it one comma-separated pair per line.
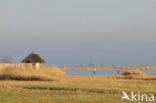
x,y
70,33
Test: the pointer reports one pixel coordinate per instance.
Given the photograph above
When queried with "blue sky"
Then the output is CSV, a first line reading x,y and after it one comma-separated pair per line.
x,y
73,32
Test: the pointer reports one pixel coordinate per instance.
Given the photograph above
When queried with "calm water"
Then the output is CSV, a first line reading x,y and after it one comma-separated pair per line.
x,y
102,72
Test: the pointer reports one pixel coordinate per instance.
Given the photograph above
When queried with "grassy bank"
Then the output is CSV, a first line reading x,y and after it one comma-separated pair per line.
x,y
134,74
88,68
109,68
32,74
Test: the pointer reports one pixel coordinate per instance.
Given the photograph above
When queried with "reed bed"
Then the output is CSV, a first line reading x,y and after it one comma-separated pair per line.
x,y
135,74
88,68
110,68
43,74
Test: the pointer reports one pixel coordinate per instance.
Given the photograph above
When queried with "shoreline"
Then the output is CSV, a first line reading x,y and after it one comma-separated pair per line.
x,y
109,68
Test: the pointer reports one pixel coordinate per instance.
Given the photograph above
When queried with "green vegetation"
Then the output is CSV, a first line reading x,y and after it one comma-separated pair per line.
x,y
45,96
73,89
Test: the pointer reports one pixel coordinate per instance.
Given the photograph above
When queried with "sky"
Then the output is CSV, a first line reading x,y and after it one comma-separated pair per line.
x,y
74,32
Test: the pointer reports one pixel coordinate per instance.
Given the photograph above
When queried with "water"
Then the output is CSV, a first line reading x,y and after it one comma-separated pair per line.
x,y
151,72
101,72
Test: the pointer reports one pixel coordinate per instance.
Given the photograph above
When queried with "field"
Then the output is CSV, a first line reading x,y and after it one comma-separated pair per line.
x,y
51,85
72,89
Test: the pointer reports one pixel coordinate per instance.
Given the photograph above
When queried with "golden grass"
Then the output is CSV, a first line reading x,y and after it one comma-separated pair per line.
x,y
88,68
11,91
138,68
144,68
110,68
135,74
108,84
47,73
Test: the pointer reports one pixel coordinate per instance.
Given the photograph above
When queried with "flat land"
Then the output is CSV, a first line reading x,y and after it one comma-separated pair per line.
x,y
110,68
73,89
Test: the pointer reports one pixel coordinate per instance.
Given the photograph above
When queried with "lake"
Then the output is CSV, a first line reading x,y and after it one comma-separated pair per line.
x,y
101,72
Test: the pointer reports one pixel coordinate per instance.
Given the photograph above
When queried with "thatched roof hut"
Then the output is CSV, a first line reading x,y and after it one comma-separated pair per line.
x,y
33,58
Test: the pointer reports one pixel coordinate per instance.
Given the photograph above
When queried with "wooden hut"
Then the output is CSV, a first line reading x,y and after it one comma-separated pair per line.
x,y
35,60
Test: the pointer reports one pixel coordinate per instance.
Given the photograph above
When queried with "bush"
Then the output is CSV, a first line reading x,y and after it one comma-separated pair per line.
x,y
134,73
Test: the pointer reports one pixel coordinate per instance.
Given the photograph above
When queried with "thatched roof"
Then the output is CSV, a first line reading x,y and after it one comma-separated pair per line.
x,y
33,58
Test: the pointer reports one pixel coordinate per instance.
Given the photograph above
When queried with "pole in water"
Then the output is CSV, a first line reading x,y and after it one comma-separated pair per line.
x,y
94,70
118,70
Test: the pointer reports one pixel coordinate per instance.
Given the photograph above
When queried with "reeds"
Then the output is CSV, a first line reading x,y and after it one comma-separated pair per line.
x,y
88,68
110,68
135,74
43,74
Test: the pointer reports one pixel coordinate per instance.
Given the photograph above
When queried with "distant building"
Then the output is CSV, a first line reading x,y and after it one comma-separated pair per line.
x,y
35,60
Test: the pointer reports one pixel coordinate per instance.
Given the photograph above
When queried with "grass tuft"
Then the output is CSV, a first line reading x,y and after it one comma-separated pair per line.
x,y
135,74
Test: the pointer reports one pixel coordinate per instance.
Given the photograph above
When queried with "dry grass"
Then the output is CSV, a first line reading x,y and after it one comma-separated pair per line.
x,y
135,74
110,68
47,73
88,68
139,67
99,83
144,68
11,91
